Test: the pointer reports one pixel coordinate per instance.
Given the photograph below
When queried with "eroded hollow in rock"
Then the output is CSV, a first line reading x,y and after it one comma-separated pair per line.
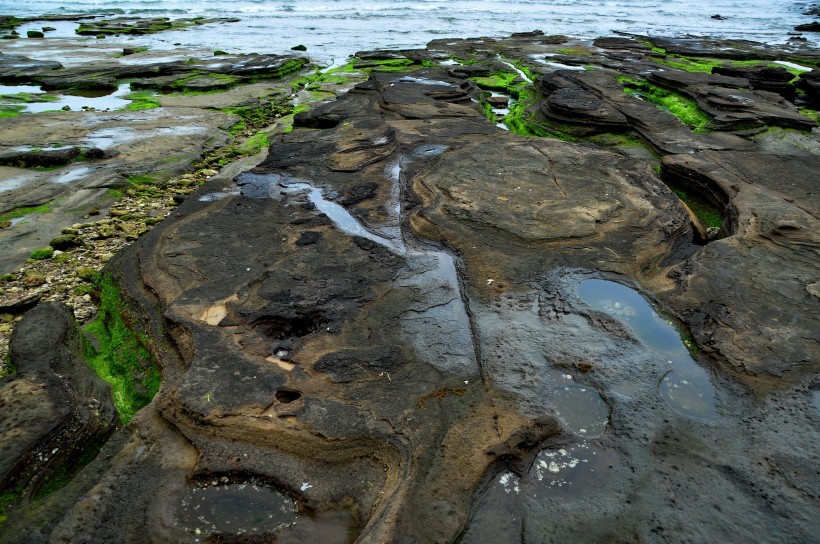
x,y
227,507
282,327
286,396
711,209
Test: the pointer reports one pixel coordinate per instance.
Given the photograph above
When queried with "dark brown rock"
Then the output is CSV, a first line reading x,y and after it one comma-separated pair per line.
x,y
43,157
814,26
56,411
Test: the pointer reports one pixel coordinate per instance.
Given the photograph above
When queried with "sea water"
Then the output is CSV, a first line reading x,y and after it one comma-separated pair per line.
x,y
334,29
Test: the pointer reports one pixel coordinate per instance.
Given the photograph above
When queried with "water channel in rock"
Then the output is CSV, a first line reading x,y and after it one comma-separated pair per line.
x,y
432,272
686,387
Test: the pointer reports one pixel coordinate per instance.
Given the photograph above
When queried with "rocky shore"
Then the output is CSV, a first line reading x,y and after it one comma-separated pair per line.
x,y
530,289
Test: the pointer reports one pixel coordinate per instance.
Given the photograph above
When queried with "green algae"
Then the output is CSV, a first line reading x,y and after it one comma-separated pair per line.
x,y
141,179
398,65
682,107
23,211
814,115
499,81
688,64
520,122
142,100
341,75
487,110
30,98
255,117
8,499
42,254
57,477
574,51
7,111
254,144
120,353
706,212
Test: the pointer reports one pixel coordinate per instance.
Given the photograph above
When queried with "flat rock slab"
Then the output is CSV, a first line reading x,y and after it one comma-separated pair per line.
x,y
160,143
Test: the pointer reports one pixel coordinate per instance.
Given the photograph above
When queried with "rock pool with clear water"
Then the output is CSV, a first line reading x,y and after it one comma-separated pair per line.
x,y
686,387
247,508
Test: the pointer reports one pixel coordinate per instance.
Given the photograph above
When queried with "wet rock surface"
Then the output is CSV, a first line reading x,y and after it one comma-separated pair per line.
x,y
406,324
55,408
134,145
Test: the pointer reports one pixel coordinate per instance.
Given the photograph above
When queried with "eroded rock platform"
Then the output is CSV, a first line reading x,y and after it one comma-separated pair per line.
x,y
410,325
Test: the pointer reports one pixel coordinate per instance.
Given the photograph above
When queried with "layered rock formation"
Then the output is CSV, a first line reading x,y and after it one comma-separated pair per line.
x,y
409,325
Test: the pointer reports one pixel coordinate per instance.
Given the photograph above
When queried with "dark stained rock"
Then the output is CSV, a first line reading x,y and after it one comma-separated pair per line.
x,y
56,411
662,130
498,101
685,80
814,26
358,193
580,106
40,158
767,78
620,43
704,47
775,223
19,69
308,237
471,70
205,74
66,241
809,83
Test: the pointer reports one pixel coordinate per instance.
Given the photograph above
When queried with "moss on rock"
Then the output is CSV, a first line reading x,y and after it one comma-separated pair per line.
x,y
119,353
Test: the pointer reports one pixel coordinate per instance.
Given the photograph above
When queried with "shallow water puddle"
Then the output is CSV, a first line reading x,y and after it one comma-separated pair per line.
x,y
573,470
110,137
793,65
12,183
523,75
580,407
431,270
20,89
212,197
423,81
544,60
73,174
235,509
686,387
53,101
